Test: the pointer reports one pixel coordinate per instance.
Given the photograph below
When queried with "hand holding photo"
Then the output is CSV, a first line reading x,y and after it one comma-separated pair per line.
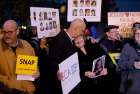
x,y
98,66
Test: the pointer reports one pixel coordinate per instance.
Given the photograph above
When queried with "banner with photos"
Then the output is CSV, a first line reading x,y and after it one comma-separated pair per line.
x,y
88,9
124,20
98,65
46,20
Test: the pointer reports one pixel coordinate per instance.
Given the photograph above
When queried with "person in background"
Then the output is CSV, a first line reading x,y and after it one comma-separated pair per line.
x,y
130,64
112,43
42,84
34,41
10,47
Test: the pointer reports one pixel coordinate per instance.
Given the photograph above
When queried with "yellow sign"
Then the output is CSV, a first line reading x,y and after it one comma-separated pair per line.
x,y
114,57
26,64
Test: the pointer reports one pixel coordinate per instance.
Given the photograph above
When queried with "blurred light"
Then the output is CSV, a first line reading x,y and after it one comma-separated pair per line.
x,y
23,27
62,8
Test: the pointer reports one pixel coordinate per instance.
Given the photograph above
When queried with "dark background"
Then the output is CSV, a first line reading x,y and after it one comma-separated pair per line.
x,y
19,10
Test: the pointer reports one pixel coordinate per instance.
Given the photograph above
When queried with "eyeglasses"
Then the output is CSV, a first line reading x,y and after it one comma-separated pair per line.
x,y
7,32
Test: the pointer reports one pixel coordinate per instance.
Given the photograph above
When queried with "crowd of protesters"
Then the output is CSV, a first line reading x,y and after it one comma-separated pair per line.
x,y
119,78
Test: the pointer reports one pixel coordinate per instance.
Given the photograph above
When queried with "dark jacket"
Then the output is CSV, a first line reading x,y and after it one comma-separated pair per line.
x,y
130,81
60,48
94,85
110,45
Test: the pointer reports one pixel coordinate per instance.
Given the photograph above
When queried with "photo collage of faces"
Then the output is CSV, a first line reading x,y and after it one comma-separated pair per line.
x,y
46,20
84,8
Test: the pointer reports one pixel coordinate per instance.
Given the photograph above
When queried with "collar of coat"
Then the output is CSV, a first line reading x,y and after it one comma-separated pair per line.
x,y
6,47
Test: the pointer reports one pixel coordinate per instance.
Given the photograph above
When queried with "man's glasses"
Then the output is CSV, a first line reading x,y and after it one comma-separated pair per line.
x,y
7,32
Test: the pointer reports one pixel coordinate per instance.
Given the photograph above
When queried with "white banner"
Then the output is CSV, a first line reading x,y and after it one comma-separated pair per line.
x,y
46,20
88,9
124,20
70,71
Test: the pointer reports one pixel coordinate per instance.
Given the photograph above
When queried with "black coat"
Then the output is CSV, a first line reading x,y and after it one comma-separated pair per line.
x,y
94,85
60,48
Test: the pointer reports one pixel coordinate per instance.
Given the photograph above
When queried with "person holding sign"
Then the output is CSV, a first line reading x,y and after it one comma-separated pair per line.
x,y
10,47
130,64
88,53
60,48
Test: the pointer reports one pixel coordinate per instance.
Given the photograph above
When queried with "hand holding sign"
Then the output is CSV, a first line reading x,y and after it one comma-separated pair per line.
x,y
36,74
59,75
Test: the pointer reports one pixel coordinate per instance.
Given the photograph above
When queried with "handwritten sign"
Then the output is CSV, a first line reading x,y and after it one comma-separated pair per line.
x,y
124,20
70,71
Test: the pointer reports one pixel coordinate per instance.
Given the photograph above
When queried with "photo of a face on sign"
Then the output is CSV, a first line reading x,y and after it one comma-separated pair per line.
x,y
74,12
75,3
93,12
49,15
81,3
81,12
45,16
87,12
40,16
87,3
54,14
50,25
46,26
93,3
41,27
34,15
54,25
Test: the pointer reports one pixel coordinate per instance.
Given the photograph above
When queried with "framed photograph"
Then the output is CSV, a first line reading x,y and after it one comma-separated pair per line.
x,y
98,65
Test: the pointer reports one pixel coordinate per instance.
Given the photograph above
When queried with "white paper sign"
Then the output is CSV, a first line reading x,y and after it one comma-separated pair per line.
x,y
124,20
46,20
98,65
70,71
25,77
88,9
